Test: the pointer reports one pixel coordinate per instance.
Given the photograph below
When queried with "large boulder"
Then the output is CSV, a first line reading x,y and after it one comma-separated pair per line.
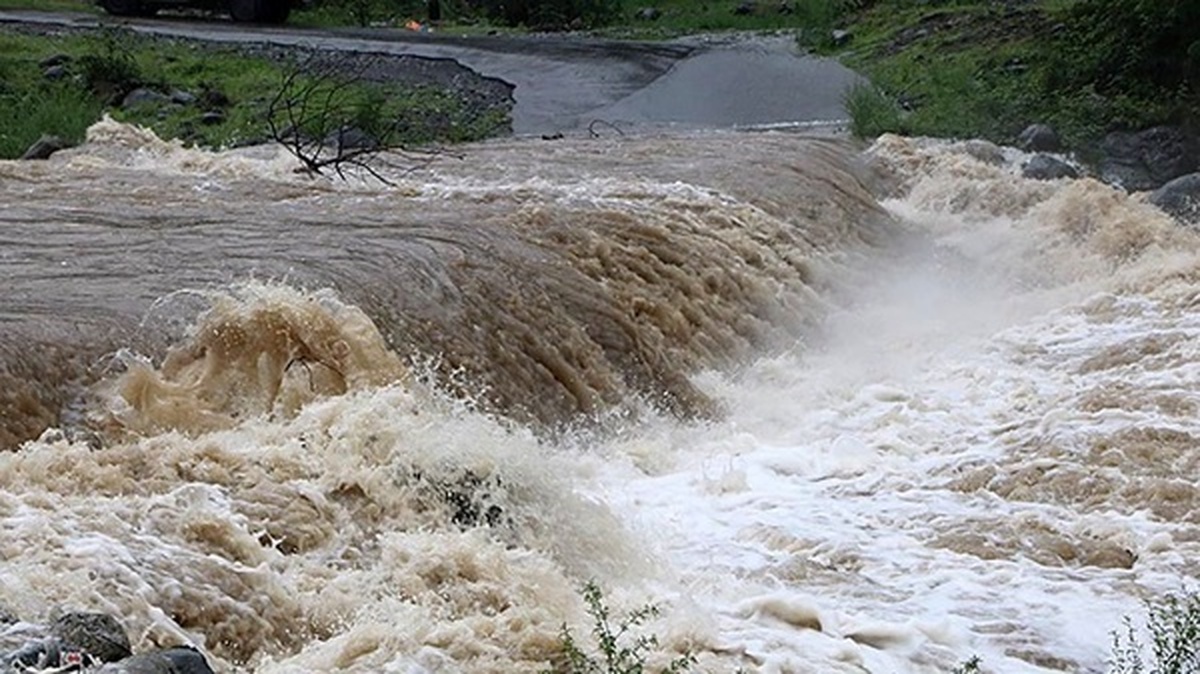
x,y
1039,138
1148,159
1180,198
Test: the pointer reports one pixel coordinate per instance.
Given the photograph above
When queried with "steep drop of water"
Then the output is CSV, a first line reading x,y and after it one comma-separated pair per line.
x,y
963,425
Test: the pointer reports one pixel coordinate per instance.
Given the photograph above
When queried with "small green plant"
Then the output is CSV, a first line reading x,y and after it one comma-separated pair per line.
x,y
970,666
617,651
872,112
1174,626
109,68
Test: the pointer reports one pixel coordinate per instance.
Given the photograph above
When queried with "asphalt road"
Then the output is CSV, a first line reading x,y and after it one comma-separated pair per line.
x,y
565,83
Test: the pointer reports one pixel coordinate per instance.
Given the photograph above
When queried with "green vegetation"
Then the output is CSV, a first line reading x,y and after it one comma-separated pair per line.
x,y
205,96
1174,626
971,666
978,69
616,651
50,5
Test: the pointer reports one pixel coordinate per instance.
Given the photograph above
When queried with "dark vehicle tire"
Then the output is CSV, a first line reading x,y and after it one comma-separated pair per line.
x,y
126,8
260,11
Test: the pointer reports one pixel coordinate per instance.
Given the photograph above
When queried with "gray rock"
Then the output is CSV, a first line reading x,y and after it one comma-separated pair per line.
x,y
212,118
1039,138
1180,198
1045,167
182,97
98,634
45,654
7,617
55,60
840,37
649,13
1148,159
55,72
351,138
45,146
181,660
142,96
984,151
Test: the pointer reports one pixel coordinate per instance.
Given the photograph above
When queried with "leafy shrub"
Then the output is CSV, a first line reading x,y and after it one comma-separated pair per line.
x,y
1174,626
109,68
872,112
617,652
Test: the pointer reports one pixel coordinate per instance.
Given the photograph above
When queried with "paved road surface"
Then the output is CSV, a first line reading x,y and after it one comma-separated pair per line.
x,y
564,83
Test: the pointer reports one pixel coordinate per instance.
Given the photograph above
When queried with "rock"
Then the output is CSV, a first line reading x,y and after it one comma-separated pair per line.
x,y
649,13
745,9
142,96
1148,159
984,151
42,654
351,138
1039,138
54,60
1045,167
98,634
45,146
212,99
1180,198
182,97
7,617
840,37
55,72
180,660
785,7
212,118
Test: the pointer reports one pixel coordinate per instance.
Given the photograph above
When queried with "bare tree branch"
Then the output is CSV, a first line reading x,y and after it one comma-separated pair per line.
x,y
332,119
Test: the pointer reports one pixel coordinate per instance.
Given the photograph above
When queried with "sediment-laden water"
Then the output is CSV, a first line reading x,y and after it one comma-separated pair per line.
x,y
313,425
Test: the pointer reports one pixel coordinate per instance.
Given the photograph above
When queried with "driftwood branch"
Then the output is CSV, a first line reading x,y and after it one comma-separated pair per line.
x,y
333,119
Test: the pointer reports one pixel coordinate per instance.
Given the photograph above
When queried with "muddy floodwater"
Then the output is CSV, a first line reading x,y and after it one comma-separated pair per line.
x,y
829,408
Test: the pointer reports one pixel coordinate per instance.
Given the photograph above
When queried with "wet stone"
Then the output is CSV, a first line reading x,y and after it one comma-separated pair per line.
x,y
45,146
96,633
180,660
1039,138
1045,167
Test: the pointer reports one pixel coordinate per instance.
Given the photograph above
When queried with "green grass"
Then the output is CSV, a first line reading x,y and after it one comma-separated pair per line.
x,y
55,109
976,69
50,5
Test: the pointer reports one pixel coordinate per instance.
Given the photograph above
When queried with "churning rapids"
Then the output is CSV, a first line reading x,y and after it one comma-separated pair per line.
x,y
831,411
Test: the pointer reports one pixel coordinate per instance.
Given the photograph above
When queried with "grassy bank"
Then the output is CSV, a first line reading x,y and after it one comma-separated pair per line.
x,y
203,95
988,69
